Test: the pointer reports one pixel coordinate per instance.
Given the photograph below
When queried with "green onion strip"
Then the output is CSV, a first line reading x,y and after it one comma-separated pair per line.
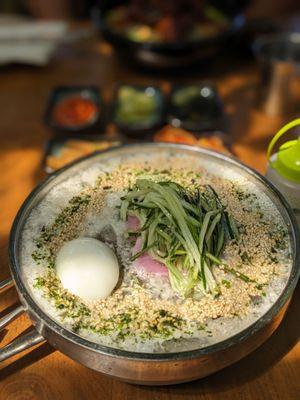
x,y
184,229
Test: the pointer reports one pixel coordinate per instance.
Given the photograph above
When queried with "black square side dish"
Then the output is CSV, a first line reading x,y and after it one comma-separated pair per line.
x,y
195,107
137,110
75,110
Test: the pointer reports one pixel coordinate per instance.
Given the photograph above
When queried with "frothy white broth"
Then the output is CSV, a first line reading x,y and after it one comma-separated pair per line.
x,y
204,323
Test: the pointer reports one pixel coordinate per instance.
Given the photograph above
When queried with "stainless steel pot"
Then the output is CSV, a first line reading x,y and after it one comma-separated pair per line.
x,y
144,368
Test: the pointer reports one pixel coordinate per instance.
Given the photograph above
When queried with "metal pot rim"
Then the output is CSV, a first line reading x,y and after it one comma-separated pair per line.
x,y
30,303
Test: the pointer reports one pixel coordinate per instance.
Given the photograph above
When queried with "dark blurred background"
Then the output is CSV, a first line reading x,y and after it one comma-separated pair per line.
x,y
81,8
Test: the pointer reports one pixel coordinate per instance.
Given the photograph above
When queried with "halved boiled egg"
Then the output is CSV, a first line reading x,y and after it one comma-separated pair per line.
x,y
87,268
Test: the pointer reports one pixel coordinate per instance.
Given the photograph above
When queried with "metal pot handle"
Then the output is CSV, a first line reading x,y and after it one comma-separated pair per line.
x,y
25,341
22,343
6,284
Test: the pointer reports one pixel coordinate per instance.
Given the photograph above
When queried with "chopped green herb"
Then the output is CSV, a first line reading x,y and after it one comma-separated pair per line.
x,y
226,283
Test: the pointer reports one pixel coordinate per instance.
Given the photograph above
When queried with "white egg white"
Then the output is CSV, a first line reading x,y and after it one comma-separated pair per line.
x,y
87,268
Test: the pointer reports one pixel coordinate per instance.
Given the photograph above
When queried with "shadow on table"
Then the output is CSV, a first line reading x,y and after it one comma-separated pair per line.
x,y
29,358
3,313
276,347
239,102
260,143
10,308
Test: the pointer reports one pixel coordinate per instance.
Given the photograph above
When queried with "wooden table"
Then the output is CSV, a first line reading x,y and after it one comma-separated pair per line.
x,y
271,372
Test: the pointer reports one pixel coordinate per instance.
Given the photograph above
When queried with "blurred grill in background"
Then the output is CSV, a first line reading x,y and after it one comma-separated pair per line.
x,y
171,33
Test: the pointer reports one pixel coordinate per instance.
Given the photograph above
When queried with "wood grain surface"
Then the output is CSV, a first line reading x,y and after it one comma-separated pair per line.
x,y
271,372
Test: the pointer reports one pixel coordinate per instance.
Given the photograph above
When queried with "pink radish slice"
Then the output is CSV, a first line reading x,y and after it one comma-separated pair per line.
x,y
133,223
146,263
137,247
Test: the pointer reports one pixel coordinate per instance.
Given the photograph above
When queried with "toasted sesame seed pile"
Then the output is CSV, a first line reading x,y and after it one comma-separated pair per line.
x,y
145,308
